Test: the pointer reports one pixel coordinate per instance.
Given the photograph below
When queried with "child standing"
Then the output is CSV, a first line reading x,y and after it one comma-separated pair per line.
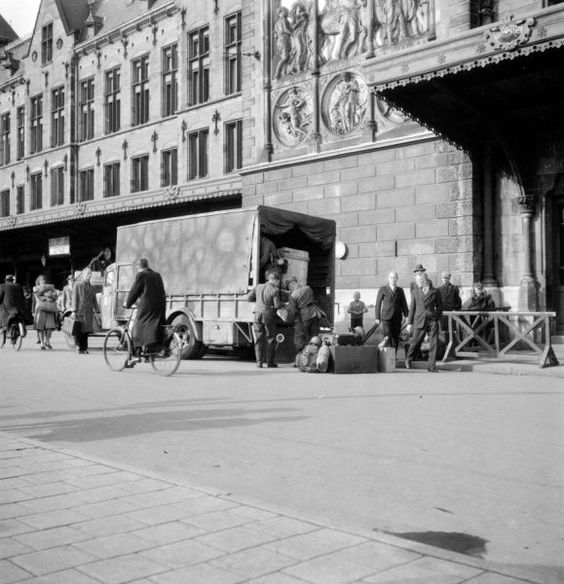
x,y
357,309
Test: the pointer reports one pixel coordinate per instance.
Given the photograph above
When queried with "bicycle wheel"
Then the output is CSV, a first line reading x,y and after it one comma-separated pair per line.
x,y
117,348
16,338
166,363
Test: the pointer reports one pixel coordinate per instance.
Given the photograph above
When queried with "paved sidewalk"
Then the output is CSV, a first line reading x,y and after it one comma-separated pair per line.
x,y
67,518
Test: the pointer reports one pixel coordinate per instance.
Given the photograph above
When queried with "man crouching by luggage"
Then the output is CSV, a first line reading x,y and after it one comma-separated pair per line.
x,y
267,298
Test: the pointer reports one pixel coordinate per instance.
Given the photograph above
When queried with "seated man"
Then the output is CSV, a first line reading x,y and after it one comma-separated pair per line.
x,y
480,300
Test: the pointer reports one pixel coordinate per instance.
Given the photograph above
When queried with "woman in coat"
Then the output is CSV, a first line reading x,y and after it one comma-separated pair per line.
x,y
45,309
83,305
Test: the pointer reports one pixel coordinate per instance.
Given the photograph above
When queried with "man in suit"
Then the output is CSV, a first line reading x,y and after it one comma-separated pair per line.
x,y
391,306
83,307
149,292
450,299
424,313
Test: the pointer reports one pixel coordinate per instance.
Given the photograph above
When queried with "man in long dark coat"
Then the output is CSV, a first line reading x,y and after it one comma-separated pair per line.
x,y
83,307
391,306
12,304
424,314
148,292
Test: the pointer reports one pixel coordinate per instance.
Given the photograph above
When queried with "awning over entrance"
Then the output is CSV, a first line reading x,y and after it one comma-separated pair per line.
x,y
499,85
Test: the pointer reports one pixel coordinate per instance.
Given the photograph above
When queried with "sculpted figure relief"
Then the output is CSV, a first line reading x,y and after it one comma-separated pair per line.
x,y
292,35
346,104
292,116
396,20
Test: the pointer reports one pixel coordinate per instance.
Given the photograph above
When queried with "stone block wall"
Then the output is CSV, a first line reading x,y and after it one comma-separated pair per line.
x,y
394,207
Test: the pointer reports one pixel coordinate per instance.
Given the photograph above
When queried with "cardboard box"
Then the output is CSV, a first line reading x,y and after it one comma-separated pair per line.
x,y
355,359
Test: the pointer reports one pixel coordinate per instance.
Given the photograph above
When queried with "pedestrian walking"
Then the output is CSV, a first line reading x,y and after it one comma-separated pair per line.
x,y
149,293
306,324
267,298
391,308
357,308
83,307
45,311
12,306
425,311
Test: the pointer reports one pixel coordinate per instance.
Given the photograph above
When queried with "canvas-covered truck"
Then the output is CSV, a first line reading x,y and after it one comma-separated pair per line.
x,y
209,263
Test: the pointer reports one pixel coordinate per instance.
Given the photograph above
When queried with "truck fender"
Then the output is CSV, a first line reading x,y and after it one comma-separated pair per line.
x,y
190,332
196,324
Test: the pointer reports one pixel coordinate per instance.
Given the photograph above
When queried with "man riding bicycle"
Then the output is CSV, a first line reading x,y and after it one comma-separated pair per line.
x,y
12,306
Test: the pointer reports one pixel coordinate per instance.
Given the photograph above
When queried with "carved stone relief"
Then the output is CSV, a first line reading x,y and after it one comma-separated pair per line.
x,y
292,117
345,102
344,29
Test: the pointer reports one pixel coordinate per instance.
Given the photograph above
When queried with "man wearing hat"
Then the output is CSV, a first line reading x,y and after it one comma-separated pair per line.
x,y
12,304
419,269
450,299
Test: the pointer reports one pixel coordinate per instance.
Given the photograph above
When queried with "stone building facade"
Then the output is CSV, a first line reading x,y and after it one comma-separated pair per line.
x,y
429,130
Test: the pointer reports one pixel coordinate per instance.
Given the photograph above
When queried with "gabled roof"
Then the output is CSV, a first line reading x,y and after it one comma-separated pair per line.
x,y
7,33
73,13
117,12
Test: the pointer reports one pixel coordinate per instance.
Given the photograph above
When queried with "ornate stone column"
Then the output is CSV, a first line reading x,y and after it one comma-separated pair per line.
x,y
315,140
488,276
528,292
267,81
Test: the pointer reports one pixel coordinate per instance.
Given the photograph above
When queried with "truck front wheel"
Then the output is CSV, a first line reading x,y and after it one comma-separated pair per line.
x,y
191,347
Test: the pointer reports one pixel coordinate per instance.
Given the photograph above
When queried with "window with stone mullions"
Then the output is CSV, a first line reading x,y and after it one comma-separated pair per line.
x,y
198,154
233,145
5,138
112,179
20,199
36,134
199,65
139,174
5,203
169,167
86,107
36,191
20,121
47,44
86,184
57,186
233,53
170,85
140,88
58,117
112,101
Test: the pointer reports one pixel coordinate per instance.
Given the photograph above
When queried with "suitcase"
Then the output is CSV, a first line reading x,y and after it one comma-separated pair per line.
x,y
345,340
387,360
355,359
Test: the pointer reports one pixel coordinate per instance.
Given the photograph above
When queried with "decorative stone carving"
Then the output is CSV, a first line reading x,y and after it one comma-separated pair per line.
x,y
398,20
80,208
172,192
510,33
293,39
345,104
292,117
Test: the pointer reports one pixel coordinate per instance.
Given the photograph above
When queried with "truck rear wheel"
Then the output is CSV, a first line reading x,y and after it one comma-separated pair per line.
x,y
191,347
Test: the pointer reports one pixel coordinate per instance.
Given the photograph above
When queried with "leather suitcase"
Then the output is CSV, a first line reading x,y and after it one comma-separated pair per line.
x,y
355,359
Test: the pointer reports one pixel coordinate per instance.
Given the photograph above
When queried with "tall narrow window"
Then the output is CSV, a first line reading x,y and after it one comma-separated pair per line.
x,y
198,154
20,199
169,167
112,101
36,134
111,180
20,121
47,44
5,203
140,90
170,86
86,184
233,145
86,105
57,186
139,174
58,117
199,65
233,53
36,193
5,138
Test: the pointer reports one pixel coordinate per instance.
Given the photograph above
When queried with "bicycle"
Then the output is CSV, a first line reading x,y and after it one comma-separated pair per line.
x,y
15,332
118,350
